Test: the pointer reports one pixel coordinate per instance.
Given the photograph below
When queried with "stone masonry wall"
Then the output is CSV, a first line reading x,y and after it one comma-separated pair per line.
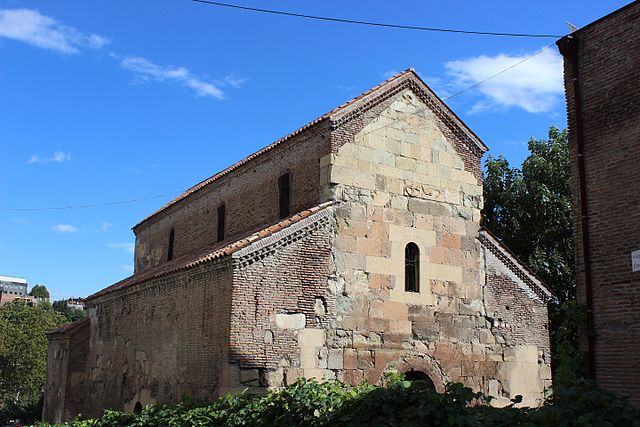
x,y
195,218
401,178
609,71
281,308
159,341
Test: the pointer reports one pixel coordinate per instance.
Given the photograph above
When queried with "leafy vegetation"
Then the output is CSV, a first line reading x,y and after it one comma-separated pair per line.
x,y
529,209
40,292
400,403
70,313
23,353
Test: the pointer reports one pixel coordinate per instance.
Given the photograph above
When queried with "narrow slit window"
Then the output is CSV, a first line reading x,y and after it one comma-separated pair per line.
x,y
284,184
412,268
221,222
170,249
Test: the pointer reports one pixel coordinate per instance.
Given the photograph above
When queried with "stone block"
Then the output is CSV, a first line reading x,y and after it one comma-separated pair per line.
x,y
376,308
350,358
291,321
353,377
291,375
400,327
369,246
395,310
424,330
335,359
365,359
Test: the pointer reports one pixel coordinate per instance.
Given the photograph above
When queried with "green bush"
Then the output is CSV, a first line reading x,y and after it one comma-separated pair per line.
x,y
400,403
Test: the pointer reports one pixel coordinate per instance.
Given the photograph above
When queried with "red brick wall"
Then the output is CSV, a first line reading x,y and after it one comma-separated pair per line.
x,y
250,194
289,279
609,72
517,316
170,337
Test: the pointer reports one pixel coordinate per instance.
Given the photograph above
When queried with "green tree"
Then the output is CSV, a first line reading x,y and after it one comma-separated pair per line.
x,y
23,353
530,210
70,313
40,291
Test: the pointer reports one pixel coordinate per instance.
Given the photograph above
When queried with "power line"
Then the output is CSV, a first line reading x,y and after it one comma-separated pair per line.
x,y
376,24
500,72
60,208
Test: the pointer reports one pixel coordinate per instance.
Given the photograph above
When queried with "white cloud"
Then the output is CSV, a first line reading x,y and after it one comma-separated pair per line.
x,y
57,157
32,27
64,229
126,246
146,70
105,226
234,81
534,85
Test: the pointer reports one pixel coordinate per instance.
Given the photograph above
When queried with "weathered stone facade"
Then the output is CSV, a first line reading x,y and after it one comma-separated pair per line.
x,y
321,293
601,75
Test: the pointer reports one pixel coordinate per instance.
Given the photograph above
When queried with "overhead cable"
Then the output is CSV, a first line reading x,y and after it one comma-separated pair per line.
x,y
377,24
96,205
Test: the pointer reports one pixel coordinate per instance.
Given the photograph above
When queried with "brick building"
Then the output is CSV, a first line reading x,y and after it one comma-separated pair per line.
x,y
602,75
348,248
14,289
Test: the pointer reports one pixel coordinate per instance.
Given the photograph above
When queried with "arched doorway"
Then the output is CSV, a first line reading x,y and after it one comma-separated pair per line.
x,y
420,376
137,408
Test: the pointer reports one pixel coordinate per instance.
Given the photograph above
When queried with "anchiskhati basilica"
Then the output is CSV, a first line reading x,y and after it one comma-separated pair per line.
x,y
348,248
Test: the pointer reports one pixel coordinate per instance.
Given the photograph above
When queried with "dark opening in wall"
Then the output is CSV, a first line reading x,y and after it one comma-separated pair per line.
x,y
137,408
419,376
170,248
284,185
221,222
411,268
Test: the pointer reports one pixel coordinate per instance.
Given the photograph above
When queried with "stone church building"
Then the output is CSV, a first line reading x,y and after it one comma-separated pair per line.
x,y
348,248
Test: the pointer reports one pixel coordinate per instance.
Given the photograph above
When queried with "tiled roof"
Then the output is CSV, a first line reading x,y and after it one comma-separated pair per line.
x,y
69,327
333,114
516,265
217,251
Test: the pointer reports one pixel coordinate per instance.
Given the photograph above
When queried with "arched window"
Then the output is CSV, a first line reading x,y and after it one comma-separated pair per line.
x,y
284,185
221,220
170,249
137,408
412,268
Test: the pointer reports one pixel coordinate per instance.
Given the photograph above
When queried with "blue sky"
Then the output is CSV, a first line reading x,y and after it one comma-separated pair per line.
x,y
113,101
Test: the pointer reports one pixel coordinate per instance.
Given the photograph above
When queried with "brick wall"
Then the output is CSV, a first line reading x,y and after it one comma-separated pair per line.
x,y
609,72
195,217
158,341
280,294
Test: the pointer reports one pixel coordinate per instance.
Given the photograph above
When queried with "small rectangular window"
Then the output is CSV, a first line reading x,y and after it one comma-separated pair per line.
x,y
221,220
284,184
170,249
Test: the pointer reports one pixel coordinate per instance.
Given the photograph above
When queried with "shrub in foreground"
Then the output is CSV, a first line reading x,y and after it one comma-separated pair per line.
x,y
400,403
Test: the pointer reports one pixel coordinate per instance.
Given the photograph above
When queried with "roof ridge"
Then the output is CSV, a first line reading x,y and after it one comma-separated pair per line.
x,y
212,252
406,75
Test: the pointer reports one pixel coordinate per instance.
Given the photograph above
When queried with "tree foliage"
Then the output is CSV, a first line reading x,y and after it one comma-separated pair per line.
x,y
529,209
23,350
40,291
70,313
